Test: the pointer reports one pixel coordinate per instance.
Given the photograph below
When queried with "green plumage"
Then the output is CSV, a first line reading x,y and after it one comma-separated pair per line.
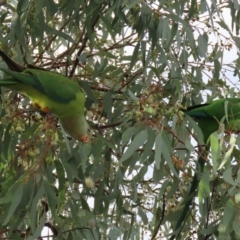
x,y
48,90
208,117
51,92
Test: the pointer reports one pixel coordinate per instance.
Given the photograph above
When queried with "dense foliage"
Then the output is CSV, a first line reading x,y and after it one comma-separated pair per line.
x,y
139,63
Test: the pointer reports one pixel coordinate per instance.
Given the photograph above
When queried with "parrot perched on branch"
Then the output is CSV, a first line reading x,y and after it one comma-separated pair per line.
x,y
50,92
208,116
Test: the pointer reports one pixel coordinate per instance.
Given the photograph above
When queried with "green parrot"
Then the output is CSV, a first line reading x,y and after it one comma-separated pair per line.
x,y
208,116
50,92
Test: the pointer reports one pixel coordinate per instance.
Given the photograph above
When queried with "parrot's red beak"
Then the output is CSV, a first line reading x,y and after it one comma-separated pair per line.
x,y
85,139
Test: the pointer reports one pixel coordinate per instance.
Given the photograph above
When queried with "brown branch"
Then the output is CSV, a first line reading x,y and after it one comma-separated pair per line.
x,y
116,45
51,40
84,43
3,2
53,228
81,229
139,72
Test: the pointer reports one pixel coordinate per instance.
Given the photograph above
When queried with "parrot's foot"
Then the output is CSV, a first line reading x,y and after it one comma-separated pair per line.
x,y
85,139
36,105
45,110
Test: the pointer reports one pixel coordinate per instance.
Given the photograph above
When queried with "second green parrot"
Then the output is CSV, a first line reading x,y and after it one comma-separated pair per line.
x,y
208,116
50,92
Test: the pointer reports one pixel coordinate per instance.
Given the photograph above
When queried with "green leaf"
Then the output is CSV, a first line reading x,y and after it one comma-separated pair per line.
x,y
188,145
140,174
236,5
227,176
236,226
97,149
54,31
148,148
214,146
137,142
74,210
217,67
174,32
39,229
22,5
167,151
192,43
61,180
229,212
158,150
131,94
166,31
107,105
84,204
143,215
7,141
33,208
51,197
98,203
203,44
203,6
229,151
17,197
204,188
163,188
143,50
135,56
131,5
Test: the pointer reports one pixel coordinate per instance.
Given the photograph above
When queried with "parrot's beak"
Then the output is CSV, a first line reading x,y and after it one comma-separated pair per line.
x,y
85,139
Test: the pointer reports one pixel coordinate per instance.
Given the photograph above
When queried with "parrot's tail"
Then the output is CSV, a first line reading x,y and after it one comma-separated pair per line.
x,y
190,197
8,82
14,66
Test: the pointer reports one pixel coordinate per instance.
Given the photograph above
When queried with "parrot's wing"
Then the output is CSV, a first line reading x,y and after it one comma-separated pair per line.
x,y
56,86
197,111
207,122
229,107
